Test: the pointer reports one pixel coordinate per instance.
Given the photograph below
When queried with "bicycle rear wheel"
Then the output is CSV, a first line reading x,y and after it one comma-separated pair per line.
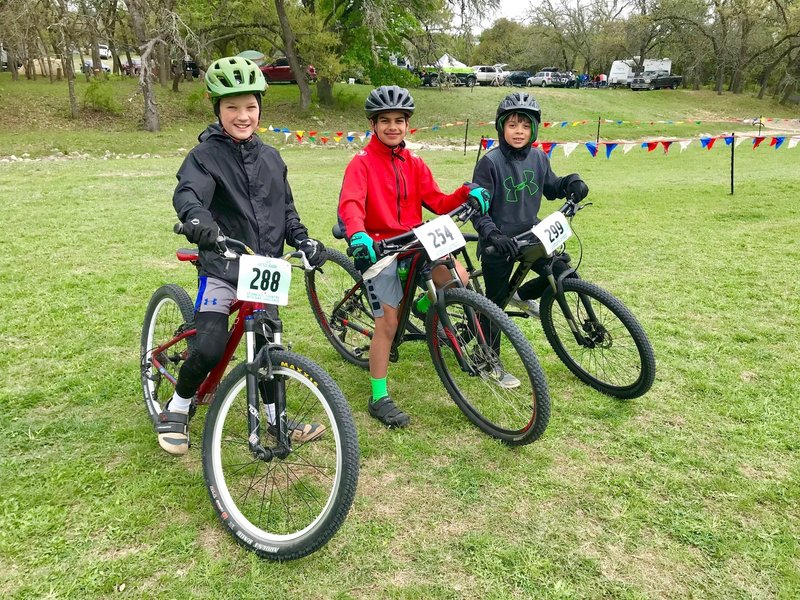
x,y
282,509
169,312
348,325
617,358
516,413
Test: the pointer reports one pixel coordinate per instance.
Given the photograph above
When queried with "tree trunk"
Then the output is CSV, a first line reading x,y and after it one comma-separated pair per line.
x,y
176,79
164,71
325,91
289,48
11,57
150,116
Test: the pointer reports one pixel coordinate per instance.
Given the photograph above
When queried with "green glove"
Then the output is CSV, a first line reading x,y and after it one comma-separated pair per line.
x,y
479,198
363,248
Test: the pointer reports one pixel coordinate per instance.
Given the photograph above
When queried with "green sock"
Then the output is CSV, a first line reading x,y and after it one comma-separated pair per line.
x,y
378,388
423,304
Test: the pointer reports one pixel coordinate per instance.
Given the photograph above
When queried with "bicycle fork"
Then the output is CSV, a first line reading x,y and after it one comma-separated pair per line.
x,y
577,330
259,371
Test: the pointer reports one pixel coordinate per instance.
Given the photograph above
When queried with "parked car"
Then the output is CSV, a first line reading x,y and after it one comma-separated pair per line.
x,y
489,75
104,51
653,80
132,68
545,79
279,70
568,79
435,77
517,78
88,67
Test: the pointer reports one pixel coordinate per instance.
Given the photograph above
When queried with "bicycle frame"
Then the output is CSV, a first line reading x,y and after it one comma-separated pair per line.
x,y
420,271
248,315
529,254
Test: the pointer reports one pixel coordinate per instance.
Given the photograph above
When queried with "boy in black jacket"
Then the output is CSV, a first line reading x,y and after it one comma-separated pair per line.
x,y
230,184
517,175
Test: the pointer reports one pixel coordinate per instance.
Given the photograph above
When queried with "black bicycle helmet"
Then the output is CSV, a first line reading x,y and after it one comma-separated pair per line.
x,y
519,102
388,98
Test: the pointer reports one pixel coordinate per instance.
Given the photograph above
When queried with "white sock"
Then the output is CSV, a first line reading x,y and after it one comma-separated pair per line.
x,y
516,297
179,404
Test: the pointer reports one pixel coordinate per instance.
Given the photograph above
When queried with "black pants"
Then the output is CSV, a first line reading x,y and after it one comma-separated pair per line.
x,y
497,273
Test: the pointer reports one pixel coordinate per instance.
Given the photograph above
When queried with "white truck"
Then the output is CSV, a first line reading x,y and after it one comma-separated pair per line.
x,y
623,71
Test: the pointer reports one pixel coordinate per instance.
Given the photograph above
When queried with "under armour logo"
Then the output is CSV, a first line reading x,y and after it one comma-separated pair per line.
x,y
527,184
213,302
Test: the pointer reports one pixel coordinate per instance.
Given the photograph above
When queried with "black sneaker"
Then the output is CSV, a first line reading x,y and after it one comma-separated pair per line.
x,y
387,412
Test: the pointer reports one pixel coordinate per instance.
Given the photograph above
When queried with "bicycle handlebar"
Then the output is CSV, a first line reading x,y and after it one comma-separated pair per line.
x,y
396,244
568,209
231,249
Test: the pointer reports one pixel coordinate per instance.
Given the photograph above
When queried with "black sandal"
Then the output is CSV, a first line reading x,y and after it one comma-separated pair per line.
x,y
173,432
387,413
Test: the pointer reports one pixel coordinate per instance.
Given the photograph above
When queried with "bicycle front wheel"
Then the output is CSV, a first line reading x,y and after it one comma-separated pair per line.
x,y
282,508
615,356
169,312
489,368
347,323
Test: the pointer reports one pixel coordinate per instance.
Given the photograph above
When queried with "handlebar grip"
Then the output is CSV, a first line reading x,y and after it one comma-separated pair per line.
x,y
489,250
350,251
177,228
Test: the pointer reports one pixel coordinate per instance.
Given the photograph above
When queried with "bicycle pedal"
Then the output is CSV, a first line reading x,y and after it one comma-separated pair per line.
x,y
394,355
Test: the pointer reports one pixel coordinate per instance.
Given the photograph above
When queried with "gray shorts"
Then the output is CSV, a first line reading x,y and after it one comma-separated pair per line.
x,y
384,288
214,295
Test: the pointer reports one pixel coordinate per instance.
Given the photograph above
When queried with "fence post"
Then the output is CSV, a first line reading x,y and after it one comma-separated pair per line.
x,y
733,148
480,145
466,133
597,141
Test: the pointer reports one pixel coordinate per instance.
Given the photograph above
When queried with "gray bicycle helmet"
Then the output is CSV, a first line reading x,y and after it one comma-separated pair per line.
x,y
518,102
388,98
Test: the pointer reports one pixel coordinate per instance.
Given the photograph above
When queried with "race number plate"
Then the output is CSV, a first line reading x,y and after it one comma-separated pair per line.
x,y
264,279
553,231
440,237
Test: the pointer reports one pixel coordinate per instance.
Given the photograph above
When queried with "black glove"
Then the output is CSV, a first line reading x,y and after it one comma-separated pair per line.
x,y
503,245
314,251
202,233
574,187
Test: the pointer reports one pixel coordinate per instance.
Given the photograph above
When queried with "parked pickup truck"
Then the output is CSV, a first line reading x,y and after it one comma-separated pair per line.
x,y
651,80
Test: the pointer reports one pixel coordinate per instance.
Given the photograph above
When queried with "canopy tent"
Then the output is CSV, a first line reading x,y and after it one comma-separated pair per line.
x,y
254,55
445,60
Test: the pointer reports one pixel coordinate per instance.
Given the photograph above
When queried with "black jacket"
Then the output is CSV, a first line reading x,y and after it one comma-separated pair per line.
x,y
516,178
242,186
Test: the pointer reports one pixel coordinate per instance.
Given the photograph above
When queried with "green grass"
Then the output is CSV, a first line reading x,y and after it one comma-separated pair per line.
x,y
689,491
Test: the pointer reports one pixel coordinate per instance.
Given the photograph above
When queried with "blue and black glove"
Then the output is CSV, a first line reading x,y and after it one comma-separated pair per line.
x,y
574,187
363,250
478,198
201,232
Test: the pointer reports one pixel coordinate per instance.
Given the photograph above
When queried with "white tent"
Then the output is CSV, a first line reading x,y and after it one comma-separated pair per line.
x,y
445,60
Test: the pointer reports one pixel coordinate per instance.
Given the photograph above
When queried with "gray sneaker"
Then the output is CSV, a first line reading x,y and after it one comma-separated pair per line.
x,y
503,379
530,307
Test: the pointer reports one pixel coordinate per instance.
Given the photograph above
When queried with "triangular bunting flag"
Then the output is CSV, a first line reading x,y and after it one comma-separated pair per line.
x,y
666,144
591,147
286,130
312,133
336,138
707,142
628,147
650,146
568,148
324,139
286,135
483,143
548,147
340,133
350,138
609,149
738,142
728,140
793,142
757,141
412,131
489,143
546,124
564,123
777,141
684,144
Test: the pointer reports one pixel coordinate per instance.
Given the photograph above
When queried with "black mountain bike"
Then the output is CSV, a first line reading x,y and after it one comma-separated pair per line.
x,y
463,330
593,333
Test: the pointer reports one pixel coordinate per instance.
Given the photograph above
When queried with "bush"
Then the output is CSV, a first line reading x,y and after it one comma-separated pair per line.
x,y
386,74
99,96
197,103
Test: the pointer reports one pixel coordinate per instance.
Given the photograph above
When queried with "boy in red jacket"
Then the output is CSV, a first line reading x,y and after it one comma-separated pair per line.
x,y
384,189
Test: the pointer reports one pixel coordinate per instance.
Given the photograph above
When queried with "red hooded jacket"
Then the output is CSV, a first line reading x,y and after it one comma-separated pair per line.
x,y
385,188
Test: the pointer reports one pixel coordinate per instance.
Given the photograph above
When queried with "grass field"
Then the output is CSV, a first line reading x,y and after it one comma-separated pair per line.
x,y
689,491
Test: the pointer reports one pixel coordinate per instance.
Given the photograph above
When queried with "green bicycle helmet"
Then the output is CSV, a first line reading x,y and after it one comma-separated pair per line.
x,y
233,76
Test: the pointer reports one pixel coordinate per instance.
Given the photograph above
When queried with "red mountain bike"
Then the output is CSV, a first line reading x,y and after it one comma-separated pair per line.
x,y
278,497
